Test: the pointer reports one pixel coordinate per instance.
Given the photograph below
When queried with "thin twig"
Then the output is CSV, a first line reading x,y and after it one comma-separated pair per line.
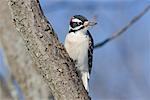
x,y
114,35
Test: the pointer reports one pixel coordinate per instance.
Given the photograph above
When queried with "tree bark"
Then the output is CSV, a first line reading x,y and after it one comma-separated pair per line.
x,y
21,66
50,56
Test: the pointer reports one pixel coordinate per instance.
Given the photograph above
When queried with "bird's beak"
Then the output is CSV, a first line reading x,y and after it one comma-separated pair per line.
x,y
89,23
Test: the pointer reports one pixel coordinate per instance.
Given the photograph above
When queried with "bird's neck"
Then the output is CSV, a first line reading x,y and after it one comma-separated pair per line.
x,y
79,32
82,31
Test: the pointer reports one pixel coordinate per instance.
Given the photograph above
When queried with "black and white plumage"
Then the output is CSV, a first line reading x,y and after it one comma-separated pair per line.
x,y
79,45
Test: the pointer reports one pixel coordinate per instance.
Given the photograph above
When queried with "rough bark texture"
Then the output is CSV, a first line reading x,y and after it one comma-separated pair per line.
x,y
22,69
52,61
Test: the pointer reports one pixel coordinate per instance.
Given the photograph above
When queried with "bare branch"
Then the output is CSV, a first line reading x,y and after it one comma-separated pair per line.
x,y
115,35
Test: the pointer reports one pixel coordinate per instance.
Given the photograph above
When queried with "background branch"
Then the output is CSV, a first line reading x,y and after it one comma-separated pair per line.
x,y
114,35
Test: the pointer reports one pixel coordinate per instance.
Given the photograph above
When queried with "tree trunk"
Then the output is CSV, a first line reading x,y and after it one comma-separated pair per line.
x,y
51,59
31,83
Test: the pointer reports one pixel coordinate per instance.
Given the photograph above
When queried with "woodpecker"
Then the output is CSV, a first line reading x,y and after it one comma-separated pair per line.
x,y
79,45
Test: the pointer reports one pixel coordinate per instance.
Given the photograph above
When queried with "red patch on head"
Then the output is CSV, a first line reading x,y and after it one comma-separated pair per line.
x,y
71,19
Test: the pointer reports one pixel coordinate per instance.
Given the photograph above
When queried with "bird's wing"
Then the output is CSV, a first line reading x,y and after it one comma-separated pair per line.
x,y
90,51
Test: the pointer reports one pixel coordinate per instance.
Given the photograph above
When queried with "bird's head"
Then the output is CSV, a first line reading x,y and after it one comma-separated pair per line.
x,y
80,23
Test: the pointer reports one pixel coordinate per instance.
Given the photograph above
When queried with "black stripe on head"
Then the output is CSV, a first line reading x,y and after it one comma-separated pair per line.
x,y
71,30
75,24
80,17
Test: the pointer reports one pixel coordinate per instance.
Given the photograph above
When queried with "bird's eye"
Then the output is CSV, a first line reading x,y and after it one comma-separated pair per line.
x,y
74,24
80,23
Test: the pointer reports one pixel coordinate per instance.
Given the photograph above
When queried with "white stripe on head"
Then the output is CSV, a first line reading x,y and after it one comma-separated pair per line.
x,y
76,20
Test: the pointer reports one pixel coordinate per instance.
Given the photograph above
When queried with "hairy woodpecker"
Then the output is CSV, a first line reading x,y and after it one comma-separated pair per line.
x,y
79,45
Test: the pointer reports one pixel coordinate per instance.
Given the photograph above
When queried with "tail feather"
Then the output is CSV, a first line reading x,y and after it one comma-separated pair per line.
x,y
85,79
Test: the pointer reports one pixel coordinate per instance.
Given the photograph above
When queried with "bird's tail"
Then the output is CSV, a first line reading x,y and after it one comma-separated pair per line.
x,y
85,80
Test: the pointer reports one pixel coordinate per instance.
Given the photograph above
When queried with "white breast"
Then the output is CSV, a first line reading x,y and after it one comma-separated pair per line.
x,y
76,45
